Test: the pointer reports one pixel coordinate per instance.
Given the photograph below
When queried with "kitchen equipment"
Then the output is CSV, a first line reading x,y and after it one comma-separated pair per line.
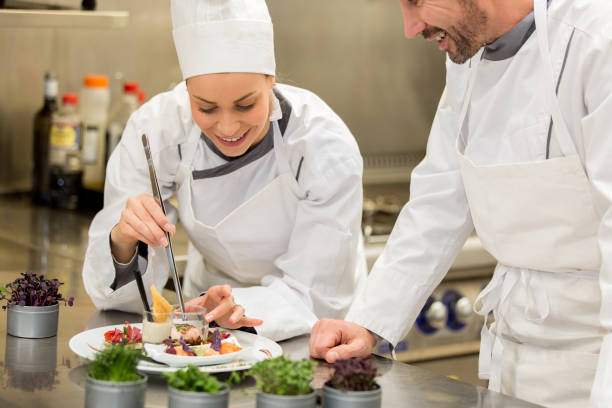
x,y
157,195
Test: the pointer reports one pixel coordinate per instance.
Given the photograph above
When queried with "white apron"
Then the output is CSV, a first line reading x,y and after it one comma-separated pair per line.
x,y
230,252
538,220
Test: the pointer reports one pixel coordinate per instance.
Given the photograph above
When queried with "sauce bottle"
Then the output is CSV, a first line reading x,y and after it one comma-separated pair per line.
x,y
65,155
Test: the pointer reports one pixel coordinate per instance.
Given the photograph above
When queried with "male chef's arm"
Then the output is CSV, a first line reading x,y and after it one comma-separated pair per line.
x,y
428,234
598,152
109,286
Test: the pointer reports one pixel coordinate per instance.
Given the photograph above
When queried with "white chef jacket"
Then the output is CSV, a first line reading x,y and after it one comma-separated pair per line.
x,y
433,226
320,148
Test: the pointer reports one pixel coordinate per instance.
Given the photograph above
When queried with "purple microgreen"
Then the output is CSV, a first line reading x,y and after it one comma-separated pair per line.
x,y
33,290
215,341
186,347
354,374
169,346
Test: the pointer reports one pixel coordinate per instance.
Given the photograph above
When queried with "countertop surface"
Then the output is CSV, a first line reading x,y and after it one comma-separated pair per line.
x,y
46,373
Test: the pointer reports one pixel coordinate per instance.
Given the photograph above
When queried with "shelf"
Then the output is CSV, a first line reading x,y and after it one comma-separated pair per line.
x,y
62,19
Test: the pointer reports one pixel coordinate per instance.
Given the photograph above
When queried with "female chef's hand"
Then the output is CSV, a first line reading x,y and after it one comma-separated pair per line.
x,y
220,307
338,340
142,219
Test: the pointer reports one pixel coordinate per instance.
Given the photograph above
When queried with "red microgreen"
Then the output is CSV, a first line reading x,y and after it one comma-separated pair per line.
x,y
169,346
354,374
33,290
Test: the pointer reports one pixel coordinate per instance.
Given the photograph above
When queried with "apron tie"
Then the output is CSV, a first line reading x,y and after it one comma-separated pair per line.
x,y
537,309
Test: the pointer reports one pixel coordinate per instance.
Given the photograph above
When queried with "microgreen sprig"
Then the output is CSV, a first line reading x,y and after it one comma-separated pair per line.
x,y
33,290
192,379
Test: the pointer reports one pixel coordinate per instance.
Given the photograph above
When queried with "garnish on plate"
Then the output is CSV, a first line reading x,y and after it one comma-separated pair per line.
x,y
127,336
218,342
161,307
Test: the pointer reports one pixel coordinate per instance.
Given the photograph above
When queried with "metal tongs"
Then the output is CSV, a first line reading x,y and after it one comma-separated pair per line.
x,y
157,195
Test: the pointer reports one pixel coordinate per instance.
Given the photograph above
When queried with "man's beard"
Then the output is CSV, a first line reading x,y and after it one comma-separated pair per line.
x,y
465,34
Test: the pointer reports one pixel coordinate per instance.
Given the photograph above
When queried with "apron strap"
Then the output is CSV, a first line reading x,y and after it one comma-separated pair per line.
x,y
467,97
564,138
286,110
280,126
492,297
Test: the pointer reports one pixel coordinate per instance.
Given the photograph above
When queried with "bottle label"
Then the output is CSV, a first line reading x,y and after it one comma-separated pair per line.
x,y
64,135
90,145
64,140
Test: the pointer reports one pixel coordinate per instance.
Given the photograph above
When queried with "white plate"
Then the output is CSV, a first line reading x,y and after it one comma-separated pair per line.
x,y
252,344
157,353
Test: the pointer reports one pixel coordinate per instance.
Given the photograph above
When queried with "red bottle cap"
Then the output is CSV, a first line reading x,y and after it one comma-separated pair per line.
x,y
70,99
130,87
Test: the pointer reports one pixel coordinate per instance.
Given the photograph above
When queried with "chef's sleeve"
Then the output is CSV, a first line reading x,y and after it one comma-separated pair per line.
x,y
598,151
428,234
318,277
127,176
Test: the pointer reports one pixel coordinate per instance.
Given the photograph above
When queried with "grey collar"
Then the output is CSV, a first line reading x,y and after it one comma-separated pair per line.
x,y
508,44
263,148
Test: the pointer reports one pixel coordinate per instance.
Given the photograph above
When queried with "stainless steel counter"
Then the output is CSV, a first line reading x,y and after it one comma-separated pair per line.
x,y
45,373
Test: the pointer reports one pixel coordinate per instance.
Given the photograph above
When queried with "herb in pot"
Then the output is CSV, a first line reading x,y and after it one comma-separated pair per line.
x,y
192,379
116,364
354,374
281,376
33,290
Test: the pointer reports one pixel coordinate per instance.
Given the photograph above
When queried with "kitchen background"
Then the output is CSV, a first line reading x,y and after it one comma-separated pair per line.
x,y
352,53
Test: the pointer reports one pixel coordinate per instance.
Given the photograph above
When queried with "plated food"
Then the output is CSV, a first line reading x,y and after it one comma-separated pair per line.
x,y
187,340
255,348
126,335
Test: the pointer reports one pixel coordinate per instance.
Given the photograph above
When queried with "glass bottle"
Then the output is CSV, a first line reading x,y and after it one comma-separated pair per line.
x,y
42,126
65,155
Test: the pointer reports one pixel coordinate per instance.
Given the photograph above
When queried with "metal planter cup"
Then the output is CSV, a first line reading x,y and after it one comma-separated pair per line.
x,y
190,399
105,394
333,398
33,322
265,400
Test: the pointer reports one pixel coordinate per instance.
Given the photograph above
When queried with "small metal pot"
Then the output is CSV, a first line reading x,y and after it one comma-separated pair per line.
x,y
33,322
104,394
190,399
333,398
265,400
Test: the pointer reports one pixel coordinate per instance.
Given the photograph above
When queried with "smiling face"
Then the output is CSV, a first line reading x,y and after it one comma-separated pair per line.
x,y
459,26
231,109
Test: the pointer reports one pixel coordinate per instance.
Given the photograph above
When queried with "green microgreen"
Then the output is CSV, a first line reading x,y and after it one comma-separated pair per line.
x,y
116,363
282,376
192,379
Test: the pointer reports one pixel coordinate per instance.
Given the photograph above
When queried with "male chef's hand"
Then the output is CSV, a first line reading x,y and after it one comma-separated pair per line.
x,y
220,307
338,340
142,219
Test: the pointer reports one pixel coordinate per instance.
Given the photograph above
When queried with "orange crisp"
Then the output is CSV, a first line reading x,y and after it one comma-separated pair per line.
x,y
161,307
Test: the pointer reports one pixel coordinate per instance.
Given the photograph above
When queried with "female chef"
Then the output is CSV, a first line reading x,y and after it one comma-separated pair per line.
x,y
267,179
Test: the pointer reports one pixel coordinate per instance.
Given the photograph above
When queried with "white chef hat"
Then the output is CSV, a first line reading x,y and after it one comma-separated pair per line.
x,y
213,36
